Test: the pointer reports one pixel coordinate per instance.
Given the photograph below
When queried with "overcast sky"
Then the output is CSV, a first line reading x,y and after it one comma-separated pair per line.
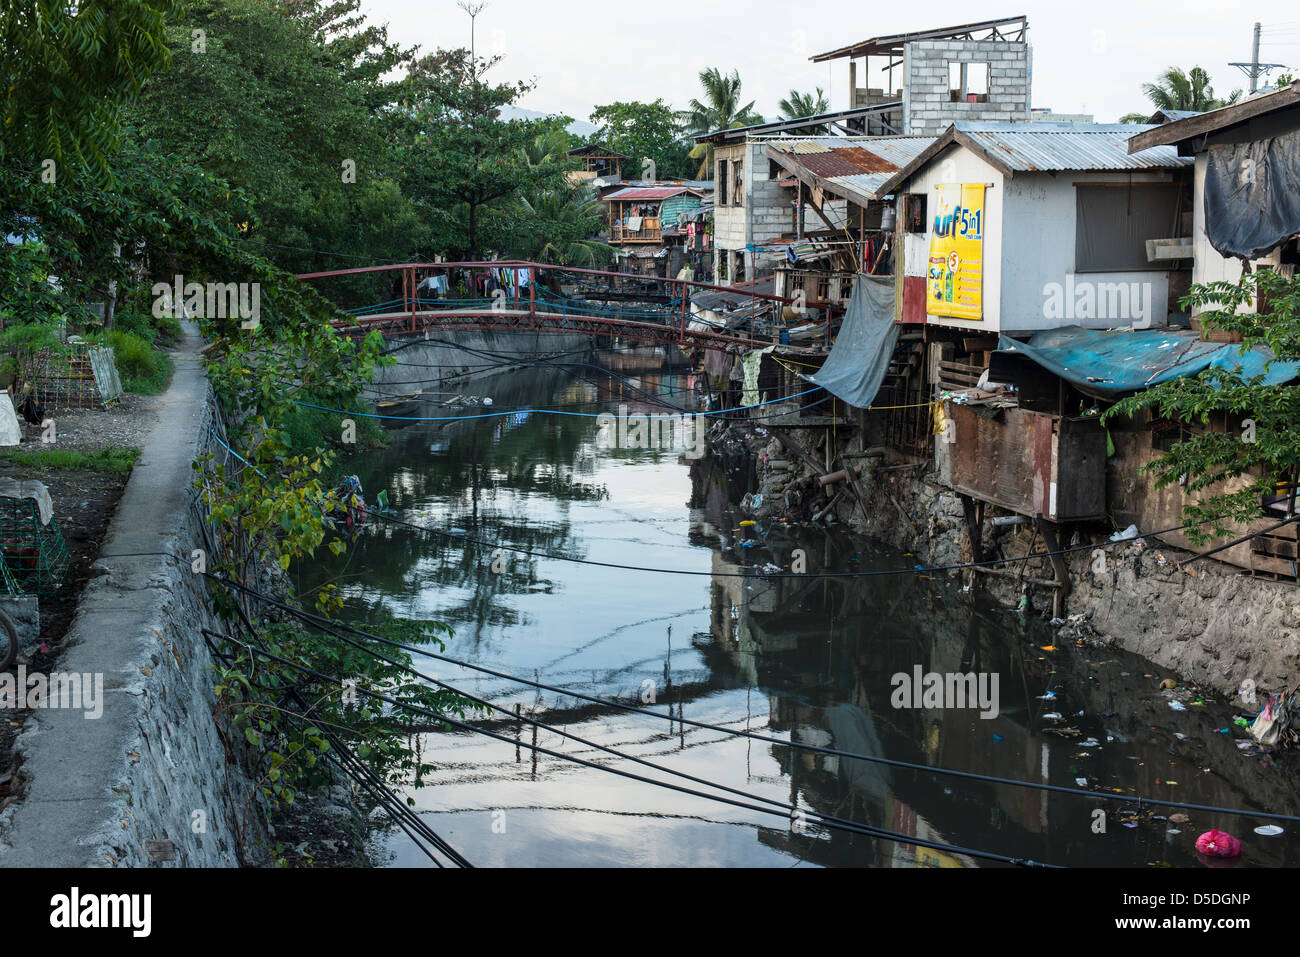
x,y
1087,58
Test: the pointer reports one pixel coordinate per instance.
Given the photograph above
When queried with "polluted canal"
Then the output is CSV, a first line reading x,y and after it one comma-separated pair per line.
x,y
528,514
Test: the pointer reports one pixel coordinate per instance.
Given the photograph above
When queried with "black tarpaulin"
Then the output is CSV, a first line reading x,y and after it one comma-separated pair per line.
x,y
1252,195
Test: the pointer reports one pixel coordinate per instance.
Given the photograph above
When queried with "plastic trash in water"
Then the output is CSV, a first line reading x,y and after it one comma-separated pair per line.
x,y
1218,844
1177,706
1269,830
1090,743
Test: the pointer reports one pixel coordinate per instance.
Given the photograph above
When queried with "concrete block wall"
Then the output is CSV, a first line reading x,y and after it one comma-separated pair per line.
x,y
927,105
729,224
123,788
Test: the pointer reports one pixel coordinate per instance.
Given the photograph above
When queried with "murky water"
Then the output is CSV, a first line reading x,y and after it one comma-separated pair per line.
x,y
809,660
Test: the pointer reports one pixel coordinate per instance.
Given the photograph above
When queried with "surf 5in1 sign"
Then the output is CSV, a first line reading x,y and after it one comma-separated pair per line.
x,y
955,282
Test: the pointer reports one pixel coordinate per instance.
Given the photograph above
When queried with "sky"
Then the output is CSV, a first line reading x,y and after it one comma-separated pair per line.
x,y
1089,58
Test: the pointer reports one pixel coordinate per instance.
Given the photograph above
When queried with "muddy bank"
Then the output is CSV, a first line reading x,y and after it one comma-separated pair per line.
x,y
1209,623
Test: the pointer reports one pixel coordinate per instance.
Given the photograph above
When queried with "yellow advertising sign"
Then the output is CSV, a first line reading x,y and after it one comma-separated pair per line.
x,y
954,284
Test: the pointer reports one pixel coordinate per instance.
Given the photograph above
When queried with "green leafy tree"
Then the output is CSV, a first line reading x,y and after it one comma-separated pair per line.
x,y
1261,446
289,101
644,131
459,157
66,69
720,109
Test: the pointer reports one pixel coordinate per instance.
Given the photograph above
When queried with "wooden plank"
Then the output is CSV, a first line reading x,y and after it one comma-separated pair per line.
x,y
1276,566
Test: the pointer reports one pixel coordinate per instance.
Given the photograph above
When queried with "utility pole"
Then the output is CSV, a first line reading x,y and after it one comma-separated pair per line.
x,y
1254,69
1254,60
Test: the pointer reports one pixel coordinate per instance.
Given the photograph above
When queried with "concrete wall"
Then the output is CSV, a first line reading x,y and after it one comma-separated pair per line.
x,y
763,215
1038,248
152,767
928,108
426,364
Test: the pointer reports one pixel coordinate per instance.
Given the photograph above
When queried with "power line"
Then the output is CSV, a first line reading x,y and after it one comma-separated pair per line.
x,y
326,624
465,726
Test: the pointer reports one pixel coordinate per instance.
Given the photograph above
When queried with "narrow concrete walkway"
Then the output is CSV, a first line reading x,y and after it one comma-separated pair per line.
x,y
84,777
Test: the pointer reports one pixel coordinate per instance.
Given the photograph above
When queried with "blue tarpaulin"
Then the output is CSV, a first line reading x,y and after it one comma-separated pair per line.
x,y
860,358
1109,364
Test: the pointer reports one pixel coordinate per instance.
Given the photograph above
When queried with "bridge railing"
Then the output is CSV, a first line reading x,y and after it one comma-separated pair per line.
x,y
517,286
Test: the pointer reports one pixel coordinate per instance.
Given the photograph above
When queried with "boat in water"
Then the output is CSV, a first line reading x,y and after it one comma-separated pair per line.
x,y
398,411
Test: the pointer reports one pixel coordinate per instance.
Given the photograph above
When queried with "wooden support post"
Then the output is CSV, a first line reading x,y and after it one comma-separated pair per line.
x,y
1053,543
974,527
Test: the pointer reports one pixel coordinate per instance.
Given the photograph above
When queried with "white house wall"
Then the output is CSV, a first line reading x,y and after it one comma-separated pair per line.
x,y
1039,249
1029,243
961,166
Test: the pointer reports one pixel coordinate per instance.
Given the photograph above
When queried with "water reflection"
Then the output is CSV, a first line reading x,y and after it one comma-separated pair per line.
x,y
806,659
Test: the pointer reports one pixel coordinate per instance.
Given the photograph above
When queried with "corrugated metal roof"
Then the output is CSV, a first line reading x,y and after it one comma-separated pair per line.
x,y
648,192
856,166
1045,147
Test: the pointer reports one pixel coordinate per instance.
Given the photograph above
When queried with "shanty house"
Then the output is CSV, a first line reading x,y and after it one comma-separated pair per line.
x,y
597,161
1015,228
637,214
1247,182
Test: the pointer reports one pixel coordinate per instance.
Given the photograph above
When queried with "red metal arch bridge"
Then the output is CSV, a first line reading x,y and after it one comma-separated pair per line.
x,y
518,296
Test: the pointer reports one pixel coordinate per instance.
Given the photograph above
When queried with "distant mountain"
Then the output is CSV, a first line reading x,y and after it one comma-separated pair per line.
x,y
577,127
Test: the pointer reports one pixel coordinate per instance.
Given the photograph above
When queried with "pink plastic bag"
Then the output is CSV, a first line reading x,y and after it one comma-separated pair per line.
x,y
1218,844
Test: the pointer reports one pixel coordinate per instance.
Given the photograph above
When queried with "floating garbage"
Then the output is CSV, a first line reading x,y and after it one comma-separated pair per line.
x,y
1090,743
1269,830
1177,706
1082,782
1218,844
1053,716
1049,696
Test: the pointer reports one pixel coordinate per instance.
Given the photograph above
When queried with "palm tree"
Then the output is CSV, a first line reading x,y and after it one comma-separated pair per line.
x,y
563,223
721,110
548,147
1176,90
798,105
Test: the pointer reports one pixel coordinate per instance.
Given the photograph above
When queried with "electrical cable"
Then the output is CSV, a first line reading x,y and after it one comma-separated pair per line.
x,y
866,829
321,622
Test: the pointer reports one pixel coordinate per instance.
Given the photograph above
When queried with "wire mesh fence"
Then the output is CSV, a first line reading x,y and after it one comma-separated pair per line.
x,y
34,553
